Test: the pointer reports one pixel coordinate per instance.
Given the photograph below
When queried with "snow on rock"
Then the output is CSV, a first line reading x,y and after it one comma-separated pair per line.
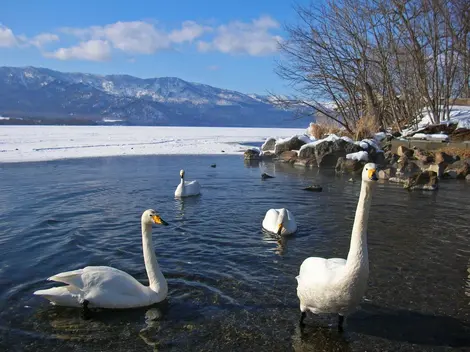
x,y
290,143
464,122
359,156
329,138
304,138
362,144
380,136
269,144
431,137
347,139
257,150
370,142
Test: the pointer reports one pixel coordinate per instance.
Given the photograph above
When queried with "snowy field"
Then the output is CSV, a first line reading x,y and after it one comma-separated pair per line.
x,y
40,143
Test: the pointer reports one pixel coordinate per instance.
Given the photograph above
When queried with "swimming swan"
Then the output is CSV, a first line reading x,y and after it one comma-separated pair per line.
x,y
107,287
187,188
336,285
279,221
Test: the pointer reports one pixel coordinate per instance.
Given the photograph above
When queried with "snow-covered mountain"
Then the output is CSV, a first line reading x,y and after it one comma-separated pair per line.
x,y
46,94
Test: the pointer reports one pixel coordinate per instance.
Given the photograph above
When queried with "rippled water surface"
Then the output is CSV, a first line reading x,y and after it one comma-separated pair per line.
x,y
231,286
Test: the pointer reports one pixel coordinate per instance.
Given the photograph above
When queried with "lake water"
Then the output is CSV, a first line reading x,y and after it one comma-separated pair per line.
x,y
231,287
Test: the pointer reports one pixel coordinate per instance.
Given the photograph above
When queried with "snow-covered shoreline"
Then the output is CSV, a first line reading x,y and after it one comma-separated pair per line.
x,y
459,115
43,143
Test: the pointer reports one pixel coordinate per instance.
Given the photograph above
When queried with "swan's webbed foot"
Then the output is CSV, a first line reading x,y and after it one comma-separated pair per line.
x,y
302,317
340,323
86,313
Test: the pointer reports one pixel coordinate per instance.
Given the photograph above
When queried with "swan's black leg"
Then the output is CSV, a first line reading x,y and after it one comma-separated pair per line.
x,y
86,313
340,323
302,317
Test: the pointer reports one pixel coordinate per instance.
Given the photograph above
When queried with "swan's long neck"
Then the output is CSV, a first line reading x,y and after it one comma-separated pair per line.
x,y
358,256
156,279
182,181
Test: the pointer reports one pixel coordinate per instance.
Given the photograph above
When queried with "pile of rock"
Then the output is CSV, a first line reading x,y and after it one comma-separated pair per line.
x,y
414,168
341,153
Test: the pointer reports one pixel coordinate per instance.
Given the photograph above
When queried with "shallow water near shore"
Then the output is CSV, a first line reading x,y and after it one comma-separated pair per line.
x,y
232,287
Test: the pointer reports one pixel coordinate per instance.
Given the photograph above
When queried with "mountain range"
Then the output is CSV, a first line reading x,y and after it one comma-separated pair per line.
x,y
45,96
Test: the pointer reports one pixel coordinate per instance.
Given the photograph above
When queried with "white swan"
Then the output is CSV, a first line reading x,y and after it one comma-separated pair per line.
x,y
280,221
187,188
107,287
337,285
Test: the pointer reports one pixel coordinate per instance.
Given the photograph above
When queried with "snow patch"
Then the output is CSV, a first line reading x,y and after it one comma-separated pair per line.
x,y
458,114
112,120
359,156
380,136
431,137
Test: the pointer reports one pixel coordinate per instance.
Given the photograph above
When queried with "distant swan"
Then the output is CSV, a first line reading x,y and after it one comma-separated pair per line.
x,y
336,285
187,188
107,287
280,221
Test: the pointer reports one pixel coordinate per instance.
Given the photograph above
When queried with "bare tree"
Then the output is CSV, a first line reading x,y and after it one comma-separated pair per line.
x,y
384,61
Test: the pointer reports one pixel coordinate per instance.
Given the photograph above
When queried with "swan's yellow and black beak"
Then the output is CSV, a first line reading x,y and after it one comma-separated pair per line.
x,y
373,175
279,229
158,220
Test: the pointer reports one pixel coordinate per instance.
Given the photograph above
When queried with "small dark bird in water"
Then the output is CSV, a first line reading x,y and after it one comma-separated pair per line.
x,y
213,165
264,176
314,188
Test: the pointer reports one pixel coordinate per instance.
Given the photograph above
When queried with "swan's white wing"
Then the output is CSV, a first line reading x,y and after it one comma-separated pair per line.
x,y
111,279
319,271
92,275
69,296
192,187
270,220
73,278
315,283
291,224
103,286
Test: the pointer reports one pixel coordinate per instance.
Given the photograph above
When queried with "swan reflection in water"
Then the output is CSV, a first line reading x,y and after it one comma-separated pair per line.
x,y
149,333
280,241
318,338
107,329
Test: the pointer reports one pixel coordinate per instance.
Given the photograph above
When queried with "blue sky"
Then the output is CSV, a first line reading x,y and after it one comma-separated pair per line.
x,y
228,44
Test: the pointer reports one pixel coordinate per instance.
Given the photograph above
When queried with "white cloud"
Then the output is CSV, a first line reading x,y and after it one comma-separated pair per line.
x,y
133,37
237,37
189,31
96,43
203,46
139,37
213,68
92,50
7,37
42,39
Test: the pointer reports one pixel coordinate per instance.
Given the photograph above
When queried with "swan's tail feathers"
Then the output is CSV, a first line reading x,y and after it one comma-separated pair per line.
x,y
73,278
69,296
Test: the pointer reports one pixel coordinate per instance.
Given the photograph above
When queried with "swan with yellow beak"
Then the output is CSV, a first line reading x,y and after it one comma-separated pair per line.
x,y
280,221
